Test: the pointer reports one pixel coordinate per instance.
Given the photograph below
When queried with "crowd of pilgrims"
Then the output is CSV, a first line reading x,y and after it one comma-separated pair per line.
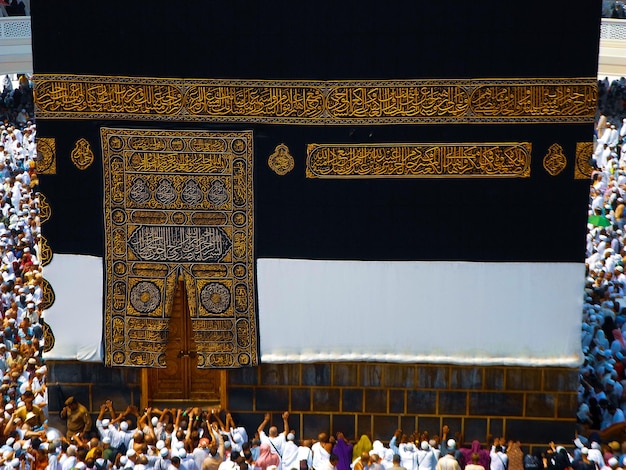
x,y
22,370
194,439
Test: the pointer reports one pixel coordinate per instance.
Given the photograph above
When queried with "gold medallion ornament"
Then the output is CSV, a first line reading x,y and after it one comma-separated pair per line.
x,y
46,252
555,161
46,162
179,205
48,296
420,160
305,102
82,155
584,152
48,336
45,211
281,161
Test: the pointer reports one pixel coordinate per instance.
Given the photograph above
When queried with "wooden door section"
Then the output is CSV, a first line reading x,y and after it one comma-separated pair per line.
x,y
181,383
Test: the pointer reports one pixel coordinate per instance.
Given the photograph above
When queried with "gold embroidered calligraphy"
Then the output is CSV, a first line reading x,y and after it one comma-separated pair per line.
x,y
419,101
418,160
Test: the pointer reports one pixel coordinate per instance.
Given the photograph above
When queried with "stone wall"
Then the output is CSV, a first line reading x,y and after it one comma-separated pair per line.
x,y
534,405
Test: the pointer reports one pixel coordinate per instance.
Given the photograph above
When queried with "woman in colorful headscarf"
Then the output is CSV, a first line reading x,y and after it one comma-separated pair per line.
x,y
266,457
483,454
343,449
364,445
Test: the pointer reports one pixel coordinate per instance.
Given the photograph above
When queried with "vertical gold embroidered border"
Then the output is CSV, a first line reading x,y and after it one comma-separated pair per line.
x,y
46,156
584,152
554,162
419,160
179,204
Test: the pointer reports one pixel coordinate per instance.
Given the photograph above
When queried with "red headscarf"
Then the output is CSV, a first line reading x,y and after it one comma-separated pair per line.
x,y
266,457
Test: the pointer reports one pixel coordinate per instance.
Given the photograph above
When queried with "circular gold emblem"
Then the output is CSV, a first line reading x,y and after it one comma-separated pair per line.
x,y
281,161
554,162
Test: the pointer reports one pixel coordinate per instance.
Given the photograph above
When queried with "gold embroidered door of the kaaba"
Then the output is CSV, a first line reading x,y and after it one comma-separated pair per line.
x,y
178,205
181,379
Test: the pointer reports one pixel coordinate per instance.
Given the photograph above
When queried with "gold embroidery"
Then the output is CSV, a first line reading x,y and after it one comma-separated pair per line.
x,y
45,211
46,156
510,160
584,152
281,161
48,296
81,155
48,336
171,210
555,161
46,252
418,101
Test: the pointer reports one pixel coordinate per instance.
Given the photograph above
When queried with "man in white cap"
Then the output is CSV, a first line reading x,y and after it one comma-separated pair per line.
x,y
499,460
407,452
290,453
612,464
426,458
237,434
595,454
104,426
448,462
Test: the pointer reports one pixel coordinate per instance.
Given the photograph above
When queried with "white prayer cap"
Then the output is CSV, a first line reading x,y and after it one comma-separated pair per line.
x,y
123,460
164,452
180,444
291,436
106,440
409,447
80,465
155,421
584,451
451,444
131,453
124,426
424,445
612,462
160,444
182,453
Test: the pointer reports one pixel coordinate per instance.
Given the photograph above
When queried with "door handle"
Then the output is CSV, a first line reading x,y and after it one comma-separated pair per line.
x,y
190,354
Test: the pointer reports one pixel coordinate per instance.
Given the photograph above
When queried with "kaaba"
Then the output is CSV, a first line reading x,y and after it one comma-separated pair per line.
x,y
373,213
